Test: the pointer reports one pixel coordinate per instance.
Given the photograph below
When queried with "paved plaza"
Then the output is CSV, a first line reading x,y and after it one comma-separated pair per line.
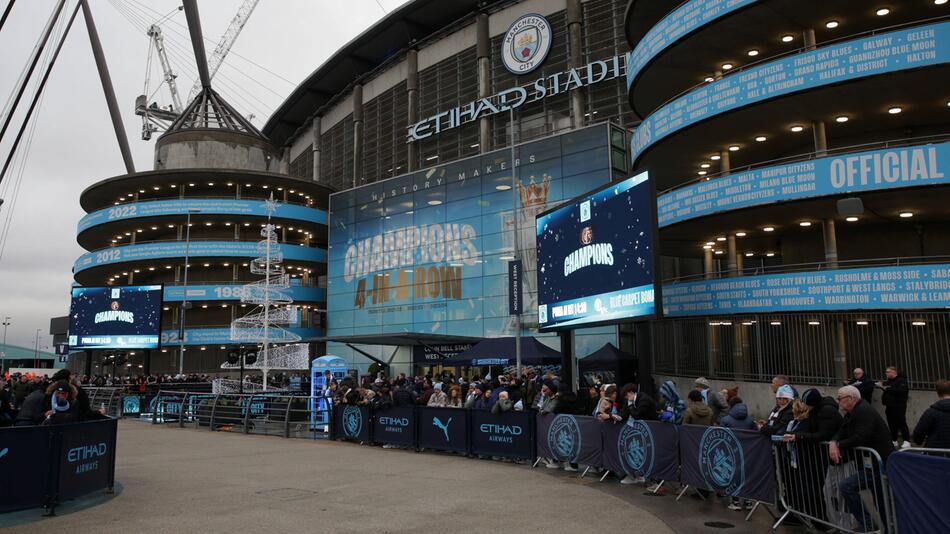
x,y
187,480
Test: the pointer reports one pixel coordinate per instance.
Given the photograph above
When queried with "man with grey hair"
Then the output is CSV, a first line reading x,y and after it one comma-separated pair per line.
x,y
862,427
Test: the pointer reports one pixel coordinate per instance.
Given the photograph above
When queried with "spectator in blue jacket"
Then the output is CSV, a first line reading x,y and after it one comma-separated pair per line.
x,y
933,429
738,416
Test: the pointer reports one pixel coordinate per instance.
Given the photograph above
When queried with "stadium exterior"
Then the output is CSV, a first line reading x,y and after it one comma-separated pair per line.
x,y
413,122
799,152
213,175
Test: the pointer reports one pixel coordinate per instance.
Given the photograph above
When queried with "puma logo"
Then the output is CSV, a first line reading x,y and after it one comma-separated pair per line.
x,y
444,426
5,450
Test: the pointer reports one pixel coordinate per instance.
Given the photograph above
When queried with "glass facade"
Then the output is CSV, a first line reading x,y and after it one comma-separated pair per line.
x,y
428,252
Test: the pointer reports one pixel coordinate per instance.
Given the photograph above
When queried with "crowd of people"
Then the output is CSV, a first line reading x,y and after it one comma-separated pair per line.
x,y
29,400
798,420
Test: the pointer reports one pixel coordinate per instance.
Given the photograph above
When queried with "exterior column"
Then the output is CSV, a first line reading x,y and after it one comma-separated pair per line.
x,y
831,243
316,124
575,17
483,52
724,166
357,134
821,141
808,39
731,263
712,335
708,270
285,161
830,238
412,93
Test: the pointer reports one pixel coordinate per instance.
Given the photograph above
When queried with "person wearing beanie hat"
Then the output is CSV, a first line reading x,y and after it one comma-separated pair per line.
x,y
713,399
823,420
780,415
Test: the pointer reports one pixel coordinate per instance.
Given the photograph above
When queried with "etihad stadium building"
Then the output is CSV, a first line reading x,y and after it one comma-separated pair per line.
x,y
798,150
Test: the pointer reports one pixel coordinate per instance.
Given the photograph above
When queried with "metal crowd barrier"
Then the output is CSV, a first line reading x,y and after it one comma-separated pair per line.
x,y
277,413
108,398
851,496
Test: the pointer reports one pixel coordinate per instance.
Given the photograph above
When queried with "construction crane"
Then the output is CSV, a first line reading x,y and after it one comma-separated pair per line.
x,y
226,42
155,117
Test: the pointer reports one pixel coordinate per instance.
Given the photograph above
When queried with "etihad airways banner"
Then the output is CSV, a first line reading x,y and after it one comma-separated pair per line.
x,y
889,168
877,288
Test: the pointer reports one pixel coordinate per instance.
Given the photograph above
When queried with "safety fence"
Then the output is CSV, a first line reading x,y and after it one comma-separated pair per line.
x,y
107,399
279,413
45,465
852,493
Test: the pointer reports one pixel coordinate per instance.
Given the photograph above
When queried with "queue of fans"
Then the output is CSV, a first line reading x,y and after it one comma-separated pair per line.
x,y
800,419
57,399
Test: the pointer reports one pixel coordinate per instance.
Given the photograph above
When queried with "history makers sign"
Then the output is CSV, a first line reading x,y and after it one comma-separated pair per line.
x,y
526,44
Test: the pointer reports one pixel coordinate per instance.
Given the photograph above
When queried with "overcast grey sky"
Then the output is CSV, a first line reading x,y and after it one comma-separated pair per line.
x,y
73,145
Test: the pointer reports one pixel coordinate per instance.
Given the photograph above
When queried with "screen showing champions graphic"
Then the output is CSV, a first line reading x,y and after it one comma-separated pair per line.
x,y
595,257
127,317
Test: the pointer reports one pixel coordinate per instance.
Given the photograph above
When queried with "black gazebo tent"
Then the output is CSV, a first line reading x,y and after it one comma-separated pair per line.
x,y
614,366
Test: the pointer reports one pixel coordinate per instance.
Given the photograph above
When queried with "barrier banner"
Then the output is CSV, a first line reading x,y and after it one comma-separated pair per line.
x,y
25,464
508,434
734,462
570,438
395,426
351,422
443,429
648,449
919,484
87,457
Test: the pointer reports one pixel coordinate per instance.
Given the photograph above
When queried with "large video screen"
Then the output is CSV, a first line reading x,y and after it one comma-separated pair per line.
x,y
125,317
595,257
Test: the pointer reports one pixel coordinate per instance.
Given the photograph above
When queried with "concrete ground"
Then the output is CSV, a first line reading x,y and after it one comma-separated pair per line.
x,y
188,480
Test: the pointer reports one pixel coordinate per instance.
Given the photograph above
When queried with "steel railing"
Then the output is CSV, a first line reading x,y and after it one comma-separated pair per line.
x,y
851,495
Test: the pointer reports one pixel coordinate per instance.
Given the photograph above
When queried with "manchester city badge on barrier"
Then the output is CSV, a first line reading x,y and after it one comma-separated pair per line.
x,y
564,438
637,448
721,460
352,421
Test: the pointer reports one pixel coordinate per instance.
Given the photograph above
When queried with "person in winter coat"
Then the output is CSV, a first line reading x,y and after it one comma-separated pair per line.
x,y
63,406
933,429
738,416
438,398
862,427
671,404
503,404
607,409
636,404
32,409
824,420
894,399
713,399
781,414
697,412
863,383
547,401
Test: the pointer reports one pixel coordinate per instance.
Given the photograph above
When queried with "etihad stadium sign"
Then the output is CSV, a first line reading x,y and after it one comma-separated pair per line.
x,y
515,97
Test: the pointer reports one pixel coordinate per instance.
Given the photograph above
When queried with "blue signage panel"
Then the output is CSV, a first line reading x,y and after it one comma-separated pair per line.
x,y
681,21
222,336
25,462
207,206
395,426
507,434
429,251
878,288
889,168
443,429
859,58
196,249
87,461
595,257
121,317
236,291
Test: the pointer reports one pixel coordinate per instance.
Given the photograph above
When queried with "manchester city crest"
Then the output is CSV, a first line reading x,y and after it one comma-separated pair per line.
x,y
526,43
564,438
352,421
721,461
636,448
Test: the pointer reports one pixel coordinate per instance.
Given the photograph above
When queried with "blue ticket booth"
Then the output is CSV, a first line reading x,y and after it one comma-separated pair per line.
x,y
319,405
